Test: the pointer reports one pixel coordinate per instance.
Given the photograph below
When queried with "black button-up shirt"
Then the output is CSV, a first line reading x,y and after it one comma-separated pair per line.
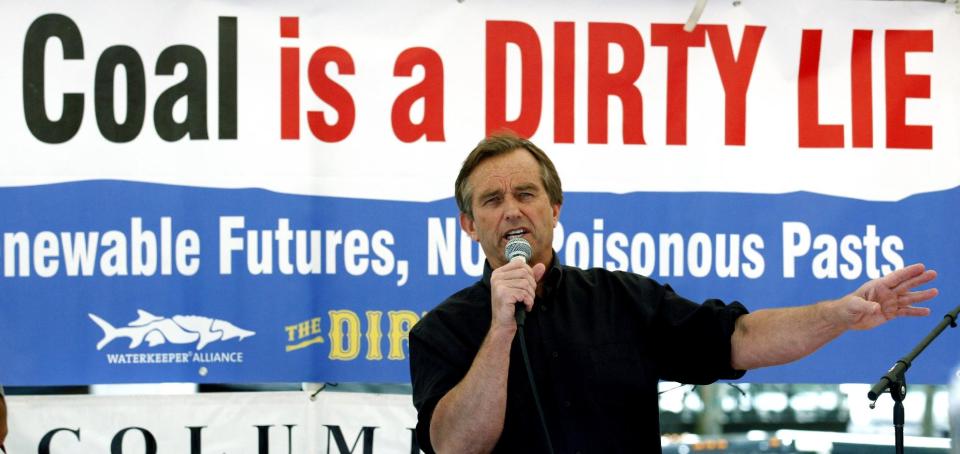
x,y
599,342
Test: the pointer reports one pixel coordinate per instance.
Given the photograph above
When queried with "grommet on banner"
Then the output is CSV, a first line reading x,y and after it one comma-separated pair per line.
x,y
695,16
314,388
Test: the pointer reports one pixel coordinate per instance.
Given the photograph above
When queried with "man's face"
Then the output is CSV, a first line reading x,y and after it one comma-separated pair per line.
x,y
508,200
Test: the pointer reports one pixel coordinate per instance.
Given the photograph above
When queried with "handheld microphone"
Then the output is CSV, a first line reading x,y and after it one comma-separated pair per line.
x,y
518,249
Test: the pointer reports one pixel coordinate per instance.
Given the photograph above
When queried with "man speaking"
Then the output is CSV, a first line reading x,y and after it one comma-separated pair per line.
x,y
596,341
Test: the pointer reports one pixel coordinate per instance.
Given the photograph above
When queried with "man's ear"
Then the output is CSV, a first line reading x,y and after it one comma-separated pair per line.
x,y
556,214
467,224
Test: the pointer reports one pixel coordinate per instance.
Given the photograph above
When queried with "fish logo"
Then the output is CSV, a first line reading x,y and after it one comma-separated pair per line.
x,y
179,329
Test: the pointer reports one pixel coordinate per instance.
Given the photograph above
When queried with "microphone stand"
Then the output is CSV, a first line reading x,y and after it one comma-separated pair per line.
x,y
896,381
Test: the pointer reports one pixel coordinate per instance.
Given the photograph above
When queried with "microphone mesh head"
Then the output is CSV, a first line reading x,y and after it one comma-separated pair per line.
x,y
518,247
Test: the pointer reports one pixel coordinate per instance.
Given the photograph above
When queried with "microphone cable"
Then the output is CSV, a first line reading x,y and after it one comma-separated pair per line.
x,y
521,317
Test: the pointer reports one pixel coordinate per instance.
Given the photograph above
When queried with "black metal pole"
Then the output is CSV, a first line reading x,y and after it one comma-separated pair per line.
x,y
895,378
903,364
898,390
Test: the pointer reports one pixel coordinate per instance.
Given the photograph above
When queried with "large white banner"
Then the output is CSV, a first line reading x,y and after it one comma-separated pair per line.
x,y
382,101
222,191
219,423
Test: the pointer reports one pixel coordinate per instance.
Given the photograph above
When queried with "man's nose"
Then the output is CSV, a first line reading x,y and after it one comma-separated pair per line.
x,y
511,209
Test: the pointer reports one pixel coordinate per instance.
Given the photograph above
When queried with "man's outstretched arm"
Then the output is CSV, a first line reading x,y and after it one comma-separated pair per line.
x,y
770,337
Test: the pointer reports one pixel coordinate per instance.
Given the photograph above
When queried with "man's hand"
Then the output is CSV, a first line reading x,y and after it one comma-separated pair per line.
x,y
515,282
777,336
886,298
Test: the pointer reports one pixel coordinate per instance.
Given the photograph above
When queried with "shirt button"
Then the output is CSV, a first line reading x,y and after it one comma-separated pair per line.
x,y
566,404
555,354
543,308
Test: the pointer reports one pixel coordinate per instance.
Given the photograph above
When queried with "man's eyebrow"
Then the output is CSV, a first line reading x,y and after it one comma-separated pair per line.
x,y
525,187
490,193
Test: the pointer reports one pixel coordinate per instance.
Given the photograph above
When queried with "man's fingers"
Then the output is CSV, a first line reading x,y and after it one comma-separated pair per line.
x,y
518,289
912,298
519,272
518,282
538,271
523,276
897,277
524,298
529,296
916,281
910,311
861,306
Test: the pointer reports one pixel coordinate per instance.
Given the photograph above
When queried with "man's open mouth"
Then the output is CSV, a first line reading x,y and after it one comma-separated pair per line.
x,y
515,233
